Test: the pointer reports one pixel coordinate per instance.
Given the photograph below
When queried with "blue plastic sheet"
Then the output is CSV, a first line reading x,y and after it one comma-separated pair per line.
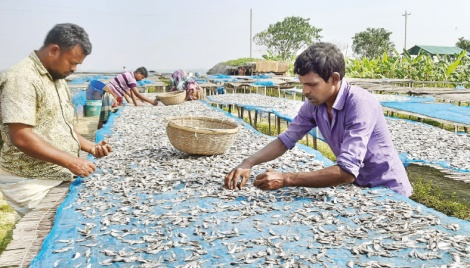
x,y
144,82
106,129
222,78
84,79
264,83
79,99
220,90
426,106
262,76
69,223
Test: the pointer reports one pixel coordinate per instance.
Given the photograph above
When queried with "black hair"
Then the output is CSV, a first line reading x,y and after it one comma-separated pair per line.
x,y
321,58
67,36
143,71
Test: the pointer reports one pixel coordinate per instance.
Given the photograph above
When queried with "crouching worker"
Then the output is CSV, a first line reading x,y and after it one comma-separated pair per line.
x,y
123,85
351,121
40,146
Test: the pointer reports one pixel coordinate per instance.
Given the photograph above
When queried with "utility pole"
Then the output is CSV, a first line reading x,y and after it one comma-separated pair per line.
x,y
406,20
251,34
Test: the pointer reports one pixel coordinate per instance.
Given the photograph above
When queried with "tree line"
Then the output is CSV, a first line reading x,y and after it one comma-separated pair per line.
x,y
374,56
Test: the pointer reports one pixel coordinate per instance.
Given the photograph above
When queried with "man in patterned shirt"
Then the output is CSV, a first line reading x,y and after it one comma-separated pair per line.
x,y
121,86
40,146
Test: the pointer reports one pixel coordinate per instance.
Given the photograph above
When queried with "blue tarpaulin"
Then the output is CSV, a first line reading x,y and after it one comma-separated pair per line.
x,y
425,106
225,228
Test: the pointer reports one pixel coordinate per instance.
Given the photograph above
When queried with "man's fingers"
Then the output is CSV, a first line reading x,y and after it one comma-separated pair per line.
x,y
228,180
259,179
103,150
243,182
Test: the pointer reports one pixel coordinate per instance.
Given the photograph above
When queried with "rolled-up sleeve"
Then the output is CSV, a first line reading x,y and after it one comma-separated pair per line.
x,y
361,117
301,125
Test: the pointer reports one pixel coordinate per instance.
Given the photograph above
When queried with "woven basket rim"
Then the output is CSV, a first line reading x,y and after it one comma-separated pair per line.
x,y
233,130
171,94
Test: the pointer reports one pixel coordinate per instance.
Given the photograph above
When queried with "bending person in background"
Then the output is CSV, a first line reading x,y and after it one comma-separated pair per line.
x,y
351,121
180,81
40,146
120,86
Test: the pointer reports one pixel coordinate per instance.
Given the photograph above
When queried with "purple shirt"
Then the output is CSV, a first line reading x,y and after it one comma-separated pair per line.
x,y
358,136
122,83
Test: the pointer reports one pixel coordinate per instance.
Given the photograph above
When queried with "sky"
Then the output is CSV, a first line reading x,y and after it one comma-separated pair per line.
x,y
195,35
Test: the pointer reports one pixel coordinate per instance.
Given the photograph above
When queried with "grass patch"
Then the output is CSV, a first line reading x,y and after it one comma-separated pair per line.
x,y
7,223
434,190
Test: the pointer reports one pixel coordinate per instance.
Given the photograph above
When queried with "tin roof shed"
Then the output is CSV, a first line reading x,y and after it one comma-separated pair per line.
x,y
435,50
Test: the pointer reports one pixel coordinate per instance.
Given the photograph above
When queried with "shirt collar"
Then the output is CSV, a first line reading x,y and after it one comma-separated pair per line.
x,y
341,97
40,67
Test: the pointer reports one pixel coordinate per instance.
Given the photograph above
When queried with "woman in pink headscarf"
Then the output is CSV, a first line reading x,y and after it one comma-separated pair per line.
x,y
180,81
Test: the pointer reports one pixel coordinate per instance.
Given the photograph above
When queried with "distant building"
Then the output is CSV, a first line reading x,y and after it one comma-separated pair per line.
x,y
435,50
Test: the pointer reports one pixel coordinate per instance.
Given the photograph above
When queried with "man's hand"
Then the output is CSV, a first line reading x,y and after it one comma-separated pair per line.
x,y
101,149
231,179
155,102
81,167
270,180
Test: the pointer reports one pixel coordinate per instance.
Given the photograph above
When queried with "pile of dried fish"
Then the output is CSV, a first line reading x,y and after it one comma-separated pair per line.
x,y
437,146
150,205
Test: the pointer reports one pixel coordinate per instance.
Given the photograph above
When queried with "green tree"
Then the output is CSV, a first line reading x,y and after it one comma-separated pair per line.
x,y
285,38
463,44
373,43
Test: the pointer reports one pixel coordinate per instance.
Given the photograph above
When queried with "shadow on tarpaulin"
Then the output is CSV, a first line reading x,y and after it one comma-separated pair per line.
x,y
68,221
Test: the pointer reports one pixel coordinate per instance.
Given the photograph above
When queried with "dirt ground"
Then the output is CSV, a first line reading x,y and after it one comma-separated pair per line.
x,y
86,126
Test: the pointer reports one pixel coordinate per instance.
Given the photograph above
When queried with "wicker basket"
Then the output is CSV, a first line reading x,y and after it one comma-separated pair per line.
x,y
172,98
201,135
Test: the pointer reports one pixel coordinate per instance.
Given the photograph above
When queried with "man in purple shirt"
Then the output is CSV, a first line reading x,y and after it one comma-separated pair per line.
x,y
352,123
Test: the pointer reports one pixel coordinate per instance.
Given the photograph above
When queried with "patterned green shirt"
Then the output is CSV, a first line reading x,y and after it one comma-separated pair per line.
x,y
29,95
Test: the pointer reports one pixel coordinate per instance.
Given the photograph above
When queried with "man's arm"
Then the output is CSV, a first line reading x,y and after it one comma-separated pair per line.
x,y
134,100
23,137
142,97
269,152
330,176
126,96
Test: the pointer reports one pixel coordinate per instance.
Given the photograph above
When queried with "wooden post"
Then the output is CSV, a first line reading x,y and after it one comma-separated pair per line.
x,y
249,116
278,119
256,118
269,123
